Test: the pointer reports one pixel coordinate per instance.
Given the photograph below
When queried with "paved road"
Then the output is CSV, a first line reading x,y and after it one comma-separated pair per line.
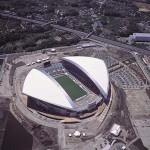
x,y
83,34
3,56
23,19
101,39
117,146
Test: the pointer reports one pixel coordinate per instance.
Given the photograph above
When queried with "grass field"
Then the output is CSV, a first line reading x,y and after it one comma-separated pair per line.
x,y
71,88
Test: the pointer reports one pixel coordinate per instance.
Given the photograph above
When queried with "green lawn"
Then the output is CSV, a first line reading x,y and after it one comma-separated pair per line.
x,y
71,88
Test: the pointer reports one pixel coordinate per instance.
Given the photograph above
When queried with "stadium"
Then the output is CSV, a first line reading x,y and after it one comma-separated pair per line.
x,y
71,87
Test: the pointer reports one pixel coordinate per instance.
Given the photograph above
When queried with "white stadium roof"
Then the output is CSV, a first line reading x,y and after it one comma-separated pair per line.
x,y
95,69
42,86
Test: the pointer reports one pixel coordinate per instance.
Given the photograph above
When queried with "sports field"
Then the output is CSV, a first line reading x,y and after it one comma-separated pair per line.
x,y
71,88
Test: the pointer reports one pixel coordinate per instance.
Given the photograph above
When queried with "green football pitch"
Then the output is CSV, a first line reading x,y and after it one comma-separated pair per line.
x,y
71,88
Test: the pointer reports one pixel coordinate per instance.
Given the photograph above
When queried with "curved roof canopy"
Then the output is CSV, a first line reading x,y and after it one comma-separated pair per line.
x,y
40,85
95,69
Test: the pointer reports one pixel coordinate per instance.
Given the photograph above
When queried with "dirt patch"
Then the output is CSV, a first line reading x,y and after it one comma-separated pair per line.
x,y
138,145
143,7
120,115
148,92
12,71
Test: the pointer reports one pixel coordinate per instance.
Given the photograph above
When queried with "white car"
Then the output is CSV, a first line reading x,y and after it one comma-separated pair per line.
x,y
123,148
79,47
38,60
28,64
33,63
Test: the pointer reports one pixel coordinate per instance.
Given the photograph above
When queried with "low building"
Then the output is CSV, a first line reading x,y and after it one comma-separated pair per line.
x,y
115,130
140,37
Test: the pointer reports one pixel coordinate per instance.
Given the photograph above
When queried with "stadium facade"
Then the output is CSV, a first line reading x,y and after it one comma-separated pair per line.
x,y
88,75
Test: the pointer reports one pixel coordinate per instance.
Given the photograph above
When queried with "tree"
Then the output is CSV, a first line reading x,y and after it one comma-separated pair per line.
x,y
29,43
132,27
50,9
72,12
62,22
74,40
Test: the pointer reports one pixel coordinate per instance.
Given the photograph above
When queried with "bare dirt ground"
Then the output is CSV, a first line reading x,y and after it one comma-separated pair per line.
x,y
138,103
143,7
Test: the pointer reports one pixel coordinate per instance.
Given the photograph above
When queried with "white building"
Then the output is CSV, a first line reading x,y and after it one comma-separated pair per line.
x,y
115,130
41,86
140,37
